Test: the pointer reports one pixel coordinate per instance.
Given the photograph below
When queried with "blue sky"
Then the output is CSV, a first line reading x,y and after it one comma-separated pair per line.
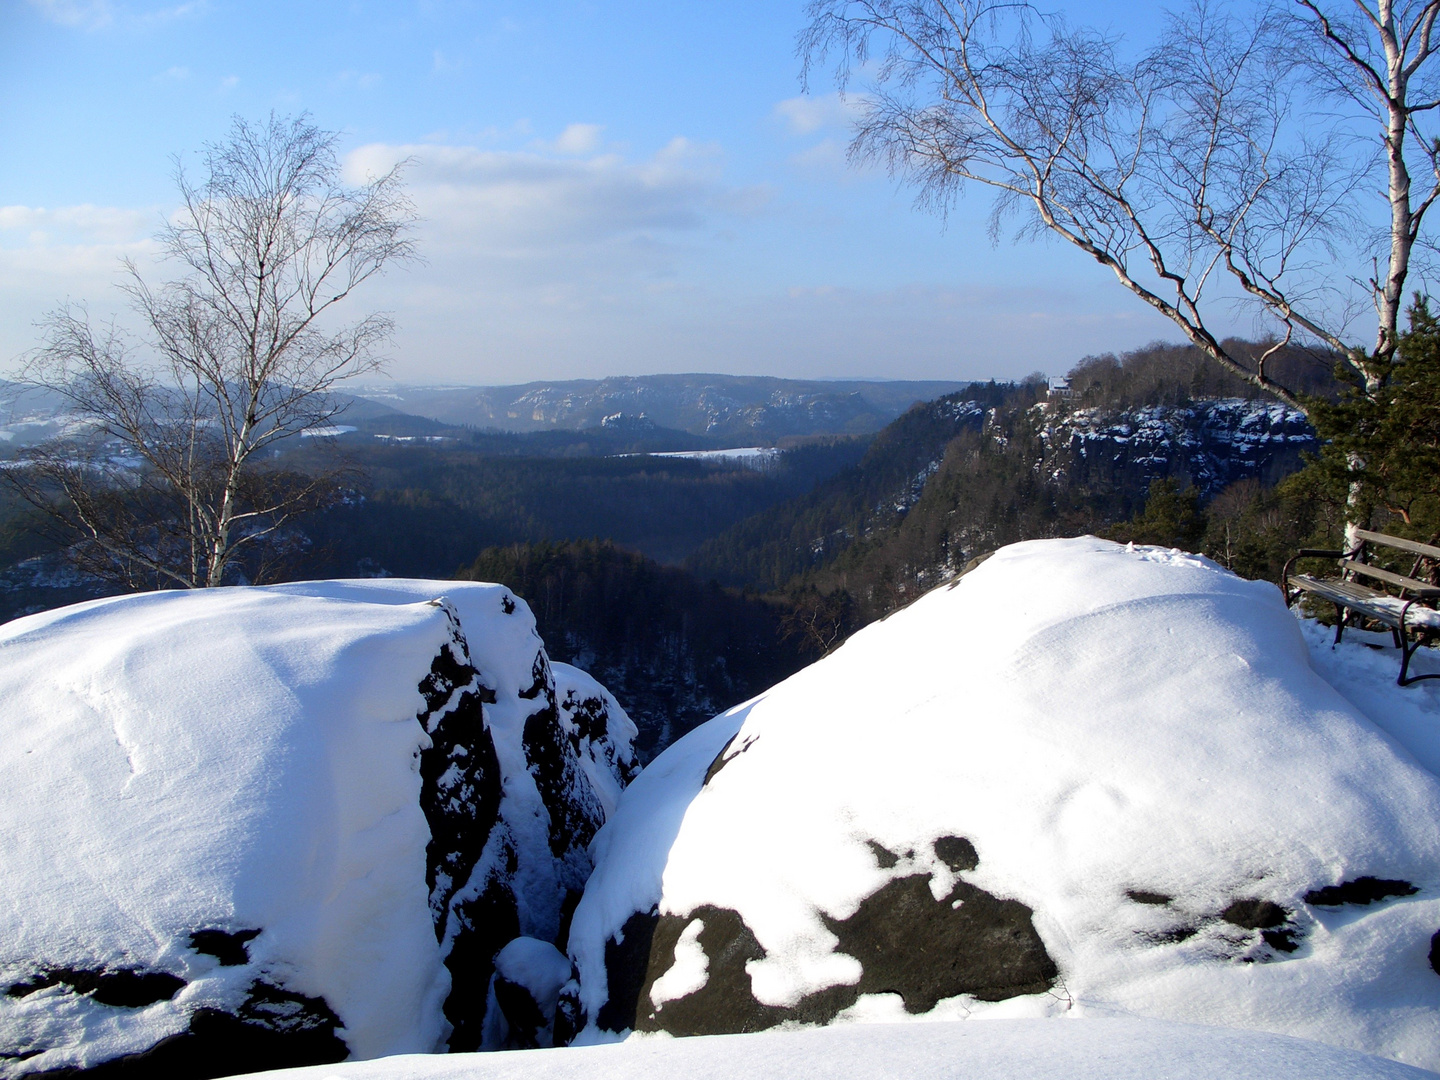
x,y
613,188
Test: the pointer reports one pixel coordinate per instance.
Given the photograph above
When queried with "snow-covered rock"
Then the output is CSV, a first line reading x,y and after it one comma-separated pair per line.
x,y
284,824
994,1050
1210,443
1083,779
529,975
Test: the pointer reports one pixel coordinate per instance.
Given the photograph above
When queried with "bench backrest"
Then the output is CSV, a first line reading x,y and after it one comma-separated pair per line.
x,y
1400,543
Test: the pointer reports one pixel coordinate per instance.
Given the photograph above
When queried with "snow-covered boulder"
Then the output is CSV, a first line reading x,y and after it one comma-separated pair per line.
x,y
1083,779
264,826
524,991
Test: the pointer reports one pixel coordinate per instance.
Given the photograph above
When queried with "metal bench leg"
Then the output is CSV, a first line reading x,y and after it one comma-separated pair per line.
x,y
1407,651
1340,617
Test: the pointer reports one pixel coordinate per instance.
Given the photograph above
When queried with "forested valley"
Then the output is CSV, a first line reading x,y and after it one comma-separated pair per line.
x,y
689,583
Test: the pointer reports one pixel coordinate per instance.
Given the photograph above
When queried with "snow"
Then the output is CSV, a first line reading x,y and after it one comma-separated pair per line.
x,y
1363,668
1099,721
246,759
993,1050
753,457
260,778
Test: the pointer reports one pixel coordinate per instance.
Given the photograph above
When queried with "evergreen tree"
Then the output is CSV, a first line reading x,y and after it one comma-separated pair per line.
x,y
1383,447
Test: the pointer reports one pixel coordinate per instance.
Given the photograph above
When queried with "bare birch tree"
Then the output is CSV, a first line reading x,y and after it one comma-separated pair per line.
x,y
1238,157
169,479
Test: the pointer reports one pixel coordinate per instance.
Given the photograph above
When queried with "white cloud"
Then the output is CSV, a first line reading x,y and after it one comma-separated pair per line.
x,y
355,79
85,14
51,255
84,225
828,155
806,115
579,139
535,206
95,14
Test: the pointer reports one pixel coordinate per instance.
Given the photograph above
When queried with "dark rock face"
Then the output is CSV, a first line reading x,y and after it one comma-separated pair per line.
x,y
957,853
459,773
1146,896
1267,917
274,1029
575,811
970,942
565,734
522,1014
529,977
1254,914
482,926
231,948
1210,443
1435,953
907,942
725,1004
569,1013
1363,890
627,962
124,988
725,756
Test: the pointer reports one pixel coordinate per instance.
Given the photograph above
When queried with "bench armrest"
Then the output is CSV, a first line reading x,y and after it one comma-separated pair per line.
x,y
1318,553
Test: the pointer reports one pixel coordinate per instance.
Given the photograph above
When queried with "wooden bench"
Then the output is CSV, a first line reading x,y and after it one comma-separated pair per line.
x,y
1411,612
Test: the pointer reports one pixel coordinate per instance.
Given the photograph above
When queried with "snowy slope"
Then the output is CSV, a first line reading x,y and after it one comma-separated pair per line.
x,y
995,1050
1083,780
291,822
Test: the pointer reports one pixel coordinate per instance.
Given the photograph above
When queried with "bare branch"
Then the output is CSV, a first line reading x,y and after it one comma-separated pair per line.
x,y
241,353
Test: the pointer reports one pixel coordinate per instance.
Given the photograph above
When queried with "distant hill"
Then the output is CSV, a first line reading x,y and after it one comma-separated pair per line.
x,y
729,406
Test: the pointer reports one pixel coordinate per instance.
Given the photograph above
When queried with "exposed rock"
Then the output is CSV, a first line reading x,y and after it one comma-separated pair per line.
x,y
725,1004
459,772
1267,917
1254,914
1209,443
227,946
627,963
124,988
1145,896
274,1029
480,926
924,949
957,853
1362,891
908,943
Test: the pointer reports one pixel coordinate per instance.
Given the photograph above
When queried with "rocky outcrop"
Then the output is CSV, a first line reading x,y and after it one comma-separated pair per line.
x,y
1207,444
308,818
1083,775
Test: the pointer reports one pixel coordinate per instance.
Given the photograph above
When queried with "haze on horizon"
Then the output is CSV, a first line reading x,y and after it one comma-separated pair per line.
x,y
603,191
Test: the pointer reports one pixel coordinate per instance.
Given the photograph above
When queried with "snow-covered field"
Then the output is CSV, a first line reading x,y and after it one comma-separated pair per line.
x,y
752,457
992,1050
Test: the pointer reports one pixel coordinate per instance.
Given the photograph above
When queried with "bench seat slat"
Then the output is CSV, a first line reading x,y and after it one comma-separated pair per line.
x,y
1421,589
1353,596
1366,601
